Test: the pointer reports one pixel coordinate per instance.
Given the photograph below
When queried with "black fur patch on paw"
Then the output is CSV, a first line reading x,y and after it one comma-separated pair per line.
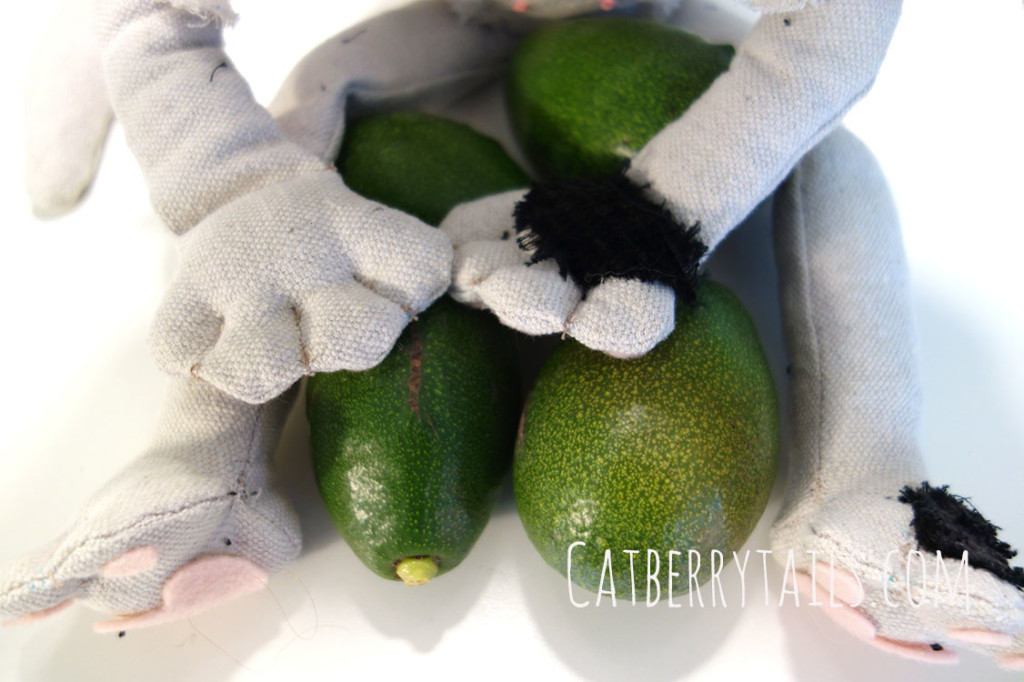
x,y
604,227
950,524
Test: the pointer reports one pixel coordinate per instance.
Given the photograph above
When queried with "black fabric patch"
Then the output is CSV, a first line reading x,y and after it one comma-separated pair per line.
x,y
950,524
603,227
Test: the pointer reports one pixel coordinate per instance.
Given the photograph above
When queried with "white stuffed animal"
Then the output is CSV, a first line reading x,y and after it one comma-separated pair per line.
x,y
284,272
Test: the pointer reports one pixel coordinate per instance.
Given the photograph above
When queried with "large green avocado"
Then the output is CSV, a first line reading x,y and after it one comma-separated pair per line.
x,y
585,95
671,452
409,456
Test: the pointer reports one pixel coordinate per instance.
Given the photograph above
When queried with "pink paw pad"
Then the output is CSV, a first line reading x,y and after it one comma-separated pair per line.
x,y
195,587
806,586
914,650
982,637
39,615
843,584
851,620
847,617
135,560
1012,662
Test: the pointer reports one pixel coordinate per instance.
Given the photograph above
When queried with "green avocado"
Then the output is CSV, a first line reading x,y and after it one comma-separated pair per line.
x,y
409,456
671,452
585,95
423,164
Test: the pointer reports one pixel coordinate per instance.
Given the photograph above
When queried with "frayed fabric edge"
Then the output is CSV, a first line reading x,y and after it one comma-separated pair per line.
x,y
950,524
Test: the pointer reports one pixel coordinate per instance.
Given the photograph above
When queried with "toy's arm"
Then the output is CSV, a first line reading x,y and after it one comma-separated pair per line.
x,y
790,83
197,131
284,270
788,86
188,115
413,55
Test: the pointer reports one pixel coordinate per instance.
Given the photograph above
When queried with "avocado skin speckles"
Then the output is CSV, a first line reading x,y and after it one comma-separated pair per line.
x,y
587,94
676,450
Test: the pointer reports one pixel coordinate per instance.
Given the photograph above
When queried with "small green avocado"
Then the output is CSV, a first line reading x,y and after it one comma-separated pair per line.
x,y
424,165
409,456
671,452
585,95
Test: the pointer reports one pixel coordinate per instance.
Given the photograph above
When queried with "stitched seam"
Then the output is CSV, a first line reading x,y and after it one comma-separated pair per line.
x,y
237,500
247,462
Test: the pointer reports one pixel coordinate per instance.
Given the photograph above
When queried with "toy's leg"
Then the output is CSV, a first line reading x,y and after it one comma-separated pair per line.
x,y
64,143
854,401
193,522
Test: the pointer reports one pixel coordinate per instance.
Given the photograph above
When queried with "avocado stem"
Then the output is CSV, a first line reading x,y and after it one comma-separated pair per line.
x,y
416,570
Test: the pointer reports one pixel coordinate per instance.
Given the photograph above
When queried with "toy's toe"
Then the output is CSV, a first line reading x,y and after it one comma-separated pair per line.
x,y
927,653
380,255
136,560
839,610
1012,661
533,299
982,637
270,342
348,326
195,587
842,583
476,261
184,330
624,318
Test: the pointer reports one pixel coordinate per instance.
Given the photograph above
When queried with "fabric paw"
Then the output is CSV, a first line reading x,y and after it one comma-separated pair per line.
x,y
266,280
857,557
624,317
203,490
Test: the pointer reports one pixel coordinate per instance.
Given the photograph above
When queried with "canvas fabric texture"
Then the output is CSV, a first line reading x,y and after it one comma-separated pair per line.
x,y
776,6
420,55
855,404
790,83
621,317
203,488
798,72
302,276
284,271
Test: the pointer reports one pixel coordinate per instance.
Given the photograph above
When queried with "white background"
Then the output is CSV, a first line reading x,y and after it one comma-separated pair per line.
x,y
79,397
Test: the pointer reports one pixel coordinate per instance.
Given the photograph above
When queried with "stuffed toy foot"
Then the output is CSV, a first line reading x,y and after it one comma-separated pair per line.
x,y
192,523
619,316
871,574
856,527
